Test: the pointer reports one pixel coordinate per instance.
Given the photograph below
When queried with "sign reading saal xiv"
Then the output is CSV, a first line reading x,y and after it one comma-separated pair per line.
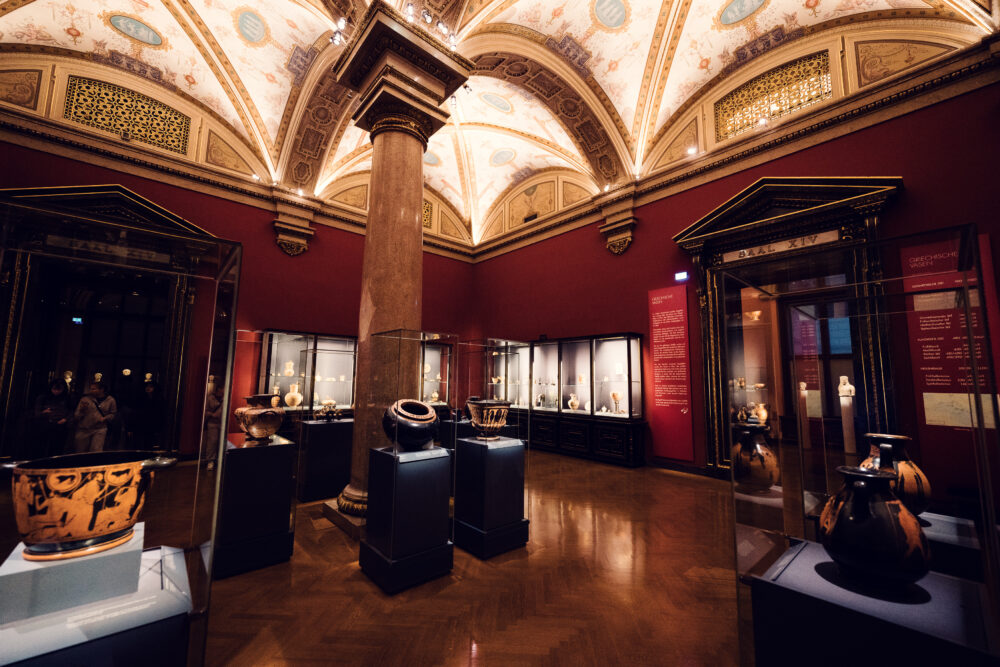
x,y
784,245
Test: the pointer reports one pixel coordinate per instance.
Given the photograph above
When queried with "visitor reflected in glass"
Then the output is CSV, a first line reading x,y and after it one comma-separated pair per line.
x,y
93,415
145,422
213,425
50,421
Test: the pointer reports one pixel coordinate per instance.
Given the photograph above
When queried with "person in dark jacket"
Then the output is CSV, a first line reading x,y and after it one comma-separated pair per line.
x,y
50,421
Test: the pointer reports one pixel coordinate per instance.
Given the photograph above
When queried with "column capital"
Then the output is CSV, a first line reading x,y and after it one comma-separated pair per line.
x,y
402,72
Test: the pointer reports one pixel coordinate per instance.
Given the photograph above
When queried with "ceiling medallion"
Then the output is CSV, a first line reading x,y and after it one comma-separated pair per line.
x,y
502,156
610,15
497,102
431,159
133,28
251,27
736,12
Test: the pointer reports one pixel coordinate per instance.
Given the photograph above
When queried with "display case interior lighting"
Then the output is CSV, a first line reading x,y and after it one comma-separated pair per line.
x,y
681,276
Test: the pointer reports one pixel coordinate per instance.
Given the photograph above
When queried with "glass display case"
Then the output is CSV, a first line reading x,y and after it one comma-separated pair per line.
x,y
519,368
580,387
875,356
133,581
545,376
575,377
435,371
307,372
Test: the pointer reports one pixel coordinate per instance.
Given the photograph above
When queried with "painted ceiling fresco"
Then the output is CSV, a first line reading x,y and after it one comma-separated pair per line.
x,y
632,64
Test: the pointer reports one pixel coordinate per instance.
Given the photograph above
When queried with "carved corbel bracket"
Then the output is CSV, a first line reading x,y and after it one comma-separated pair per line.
x,y
619,222
293,228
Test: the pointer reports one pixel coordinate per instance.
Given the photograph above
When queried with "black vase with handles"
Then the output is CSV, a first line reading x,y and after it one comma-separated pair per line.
x,y
410,424
911,485
869,533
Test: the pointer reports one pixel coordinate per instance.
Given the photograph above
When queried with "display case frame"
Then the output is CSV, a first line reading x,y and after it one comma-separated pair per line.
x,y
307,352
892,336
109,230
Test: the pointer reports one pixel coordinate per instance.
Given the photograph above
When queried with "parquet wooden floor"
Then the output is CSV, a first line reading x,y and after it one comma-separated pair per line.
x,y
623,567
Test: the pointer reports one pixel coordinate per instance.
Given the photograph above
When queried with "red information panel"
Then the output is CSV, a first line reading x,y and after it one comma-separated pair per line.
x,y
670,410
937,327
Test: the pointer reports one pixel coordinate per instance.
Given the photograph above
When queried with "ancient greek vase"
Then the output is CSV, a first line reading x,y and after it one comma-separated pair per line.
x,y
911,484
616,396
573,402
755,467
80,504
289,369
258,419
869,532
410,423
488,417
293,398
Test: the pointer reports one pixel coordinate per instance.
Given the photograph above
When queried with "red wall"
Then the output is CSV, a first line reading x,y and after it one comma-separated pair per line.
x,y
571,285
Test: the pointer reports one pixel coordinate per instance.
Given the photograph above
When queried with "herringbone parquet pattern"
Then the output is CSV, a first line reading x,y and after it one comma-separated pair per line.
x,y
624,567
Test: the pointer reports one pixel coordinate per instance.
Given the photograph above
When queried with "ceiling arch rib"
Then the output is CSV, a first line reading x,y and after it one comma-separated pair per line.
x,y
580,121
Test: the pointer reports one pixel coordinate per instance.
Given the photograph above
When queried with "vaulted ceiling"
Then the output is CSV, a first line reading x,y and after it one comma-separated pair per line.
x,y
586,87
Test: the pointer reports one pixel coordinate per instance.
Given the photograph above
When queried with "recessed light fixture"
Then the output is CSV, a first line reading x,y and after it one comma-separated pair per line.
x,y
442,28
426,16
762,121
299,191
607,187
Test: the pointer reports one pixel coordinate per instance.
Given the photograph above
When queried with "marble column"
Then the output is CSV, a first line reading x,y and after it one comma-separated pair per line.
x,y
404,76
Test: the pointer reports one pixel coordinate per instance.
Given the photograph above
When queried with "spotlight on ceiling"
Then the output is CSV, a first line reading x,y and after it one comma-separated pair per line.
x,y
299,191
426,16
341,23
692,150
409,11
256,177
453,100
607,187
442,28
337,39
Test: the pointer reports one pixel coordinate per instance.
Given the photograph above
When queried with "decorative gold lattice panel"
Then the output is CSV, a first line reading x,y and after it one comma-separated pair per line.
x,y
428,219
775,93
126,113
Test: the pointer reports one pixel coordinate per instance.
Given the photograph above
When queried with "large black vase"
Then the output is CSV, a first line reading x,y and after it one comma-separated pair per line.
x,y
755,467
410,423
869,533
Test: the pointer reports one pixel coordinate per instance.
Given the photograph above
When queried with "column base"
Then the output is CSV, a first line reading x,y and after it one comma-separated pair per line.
x,y
485,544
354,526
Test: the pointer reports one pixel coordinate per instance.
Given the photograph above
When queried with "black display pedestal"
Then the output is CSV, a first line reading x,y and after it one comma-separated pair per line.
x,y
489,496
324,458
805,612
407,533
255,508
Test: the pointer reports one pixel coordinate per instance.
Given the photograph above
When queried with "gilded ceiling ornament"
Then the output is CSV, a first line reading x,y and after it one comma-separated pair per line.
x,y
610,15
141,35
735,12
251,27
